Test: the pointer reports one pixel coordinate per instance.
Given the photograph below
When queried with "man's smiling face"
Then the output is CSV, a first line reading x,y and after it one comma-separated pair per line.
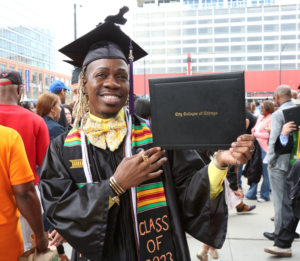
x,y
107,85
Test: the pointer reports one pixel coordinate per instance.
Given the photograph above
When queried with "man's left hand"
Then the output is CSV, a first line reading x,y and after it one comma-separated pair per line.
x,y
239,153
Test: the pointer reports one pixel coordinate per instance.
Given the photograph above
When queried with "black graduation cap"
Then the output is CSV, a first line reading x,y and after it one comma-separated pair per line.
x,y
105,41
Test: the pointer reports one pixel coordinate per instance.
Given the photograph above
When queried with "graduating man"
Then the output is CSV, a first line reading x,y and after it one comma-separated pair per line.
x,y
106,190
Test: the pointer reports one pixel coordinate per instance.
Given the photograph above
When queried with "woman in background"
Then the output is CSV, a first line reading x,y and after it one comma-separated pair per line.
x,y
262,136
48,107
27,105
69,113
142,109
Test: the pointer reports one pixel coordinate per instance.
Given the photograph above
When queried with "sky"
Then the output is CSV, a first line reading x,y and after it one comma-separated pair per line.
x,y
88,16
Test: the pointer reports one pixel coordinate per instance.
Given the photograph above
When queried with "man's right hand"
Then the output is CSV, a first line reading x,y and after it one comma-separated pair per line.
x,y
133,171
42,243
288,128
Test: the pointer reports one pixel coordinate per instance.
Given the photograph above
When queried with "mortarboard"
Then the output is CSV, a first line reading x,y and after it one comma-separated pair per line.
x,y
75,75
105,41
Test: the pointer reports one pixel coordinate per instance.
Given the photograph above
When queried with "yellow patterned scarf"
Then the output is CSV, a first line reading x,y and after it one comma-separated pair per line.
x,y
102,132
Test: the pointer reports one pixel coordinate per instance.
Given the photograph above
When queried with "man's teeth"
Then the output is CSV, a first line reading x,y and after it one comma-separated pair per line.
x,y
111,97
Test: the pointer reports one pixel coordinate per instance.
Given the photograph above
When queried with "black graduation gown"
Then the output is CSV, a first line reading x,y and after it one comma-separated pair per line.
x,y
82,217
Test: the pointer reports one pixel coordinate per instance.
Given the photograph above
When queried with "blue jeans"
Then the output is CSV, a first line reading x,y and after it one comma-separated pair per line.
x,y
240,173
265,187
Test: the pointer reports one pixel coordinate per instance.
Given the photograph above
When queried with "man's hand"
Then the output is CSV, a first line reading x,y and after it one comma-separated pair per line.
x,y
57,240
288,128
133,171
42,244
239,193
239,152
271,167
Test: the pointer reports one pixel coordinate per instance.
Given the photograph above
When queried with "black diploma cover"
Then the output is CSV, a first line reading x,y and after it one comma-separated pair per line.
x,y
198,111
292,114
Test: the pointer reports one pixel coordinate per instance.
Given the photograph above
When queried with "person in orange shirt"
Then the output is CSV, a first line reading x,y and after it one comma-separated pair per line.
x,y
17,194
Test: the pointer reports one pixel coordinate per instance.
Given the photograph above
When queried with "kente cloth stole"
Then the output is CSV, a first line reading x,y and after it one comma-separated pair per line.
x,y
153,220
151,215
295,154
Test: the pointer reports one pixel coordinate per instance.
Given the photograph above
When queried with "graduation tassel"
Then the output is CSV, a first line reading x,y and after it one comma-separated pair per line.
x,y
131,94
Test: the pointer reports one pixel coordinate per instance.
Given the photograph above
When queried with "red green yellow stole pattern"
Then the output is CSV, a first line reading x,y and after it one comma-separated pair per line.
x,y
296,150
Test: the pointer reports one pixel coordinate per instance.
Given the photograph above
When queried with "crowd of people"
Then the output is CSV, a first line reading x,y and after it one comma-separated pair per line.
x,y
88,173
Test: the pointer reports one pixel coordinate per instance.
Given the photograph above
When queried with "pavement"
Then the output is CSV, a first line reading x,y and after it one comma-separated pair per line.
x,y
245,240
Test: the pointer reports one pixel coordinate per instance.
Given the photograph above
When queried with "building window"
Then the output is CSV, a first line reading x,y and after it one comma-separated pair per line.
x,y
271,58
288,37
189,50
173,23
270,28
174,51
190,41
172,61
189,32
156,52
205,68
173,42
237,29
254,58
253,29
237,39
288,27
237,20
288,8
221,40
239,67
254,19
238,49
142,34
234,11
254,10
221,68
189,13
158,62
189,22
254,48
20,71
201,41
205,60
205,31
254,67
271,38
221,59
221,21
11,68
271,48
221,30
238,59
288,66
289,47
288,57
205,21
158,43
145,25
221,49
221,11
34,77
173,32
205,50
176,14
174,70
142,16
254,39
47,80
41,79
158,33
270,67
288,17
271,9
159,70
157,15
271,18
205,12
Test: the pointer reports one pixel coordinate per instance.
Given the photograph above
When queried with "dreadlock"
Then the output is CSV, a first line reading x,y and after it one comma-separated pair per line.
x,y
81,106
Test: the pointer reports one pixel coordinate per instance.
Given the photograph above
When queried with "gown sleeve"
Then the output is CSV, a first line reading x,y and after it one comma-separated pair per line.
x,y
202,218
79,215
